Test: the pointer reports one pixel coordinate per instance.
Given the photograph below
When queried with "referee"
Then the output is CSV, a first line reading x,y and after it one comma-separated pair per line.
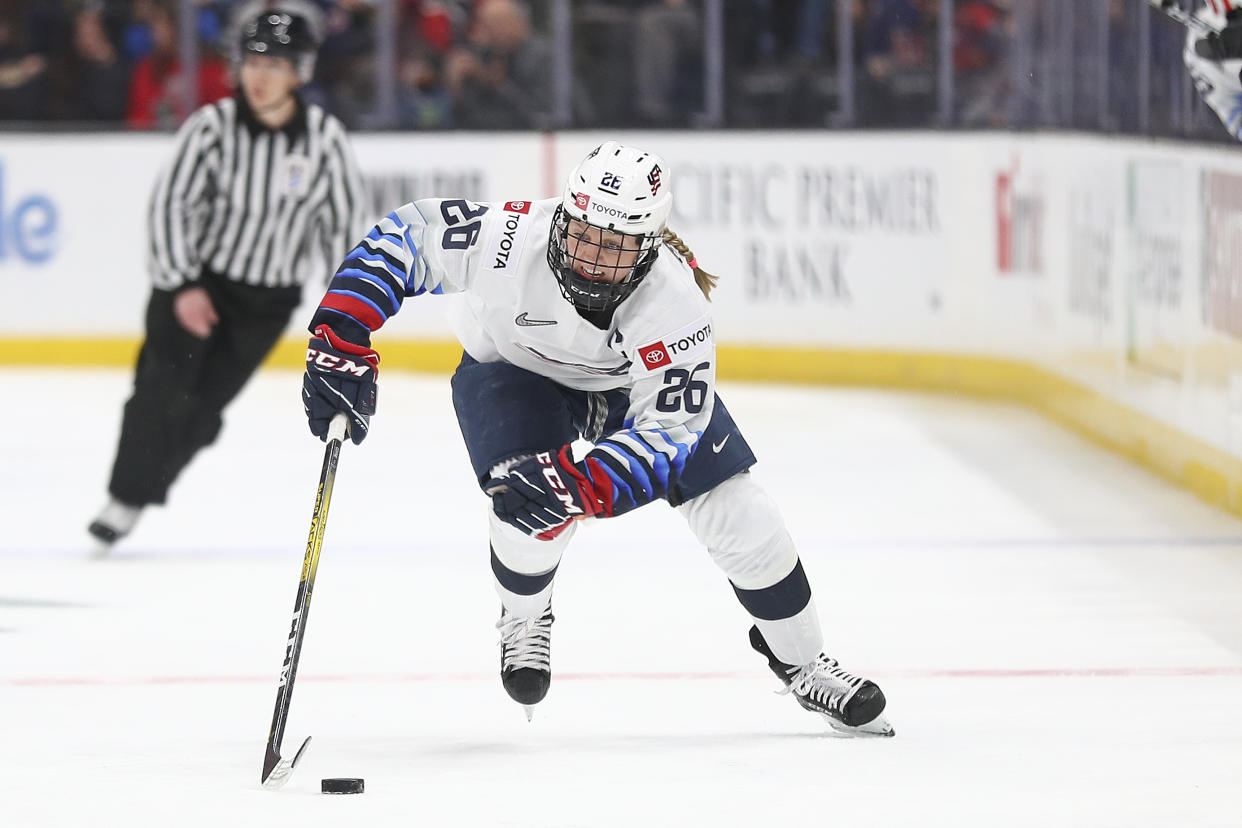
x,y
263,188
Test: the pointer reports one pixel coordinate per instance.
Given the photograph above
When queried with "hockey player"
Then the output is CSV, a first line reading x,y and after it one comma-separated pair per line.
x,y
257,183
583,315
1213,56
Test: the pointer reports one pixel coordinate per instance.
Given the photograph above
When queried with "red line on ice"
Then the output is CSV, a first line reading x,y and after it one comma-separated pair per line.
x,y
1079,672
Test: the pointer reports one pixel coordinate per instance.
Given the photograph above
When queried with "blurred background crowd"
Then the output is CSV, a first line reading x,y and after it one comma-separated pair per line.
x,y
1105,65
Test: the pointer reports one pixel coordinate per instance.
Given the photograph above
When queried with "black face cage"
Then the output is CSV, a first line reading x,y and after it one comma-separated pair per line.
x,y
596,294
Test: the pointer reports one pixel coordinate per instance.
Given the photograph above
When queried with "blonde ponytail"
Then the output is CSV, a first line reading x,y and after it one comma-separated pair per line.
x,y
706,281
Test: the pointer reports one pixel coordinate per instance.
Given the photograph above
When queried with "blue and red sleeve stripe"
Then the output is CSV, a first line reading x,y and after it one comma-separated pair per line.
x,y
638,466
369,286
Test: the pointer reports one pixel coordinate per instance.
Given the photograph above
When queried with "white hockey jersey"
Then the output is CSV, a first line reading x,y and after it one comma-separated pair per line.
x,y
1217,82
659,344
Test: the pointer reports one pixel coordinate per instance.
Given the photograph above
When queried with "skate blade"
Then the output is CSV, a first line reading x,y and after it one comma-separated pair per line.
x,y
103,538
877,728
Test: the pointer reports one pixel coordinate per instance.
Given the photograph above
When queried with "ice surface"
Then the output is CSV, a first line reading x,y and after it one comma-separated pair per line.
x,y
1059,633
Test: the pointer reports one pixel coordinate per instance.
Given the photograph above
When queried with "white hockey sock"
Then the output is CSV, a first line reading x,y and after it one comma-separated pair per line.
x,y
523,567
797,640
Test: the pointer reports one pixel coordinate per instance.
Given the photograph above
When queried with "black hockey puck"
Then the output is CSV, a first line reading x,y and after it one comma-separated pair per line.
x,y
340,786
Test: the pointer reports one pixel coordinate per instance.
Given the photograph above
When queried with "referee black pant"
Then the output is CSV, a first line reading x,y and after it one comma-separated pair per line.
x,y
183,383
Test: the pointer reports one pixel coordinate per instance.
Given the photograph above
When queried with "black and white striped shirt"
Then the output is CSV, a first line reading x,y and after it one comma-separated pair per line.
x,y
255,205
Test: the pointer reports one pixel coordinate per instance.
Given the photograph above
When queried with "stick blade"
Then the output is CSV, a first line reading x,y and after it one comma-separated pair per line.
x,y
276,771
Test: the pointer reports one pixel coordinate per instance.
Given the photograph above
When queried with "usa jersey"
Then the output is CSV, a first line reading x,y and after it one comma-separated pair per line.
x,y
658,345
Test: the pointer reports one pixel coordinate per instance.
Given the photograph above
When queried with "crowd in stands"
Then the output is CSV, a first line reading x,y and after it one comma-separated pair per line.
x,y
489,64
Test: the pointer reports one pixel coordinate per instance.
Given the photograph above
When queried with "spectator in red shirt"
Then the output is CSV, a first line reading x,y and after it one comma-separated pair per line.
x,y
156,89
432,23
979,51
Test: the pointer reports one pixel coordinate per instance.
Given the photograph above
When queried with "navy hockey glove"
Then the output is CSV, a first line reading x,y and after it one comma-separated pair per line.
x,y
541,494
340,377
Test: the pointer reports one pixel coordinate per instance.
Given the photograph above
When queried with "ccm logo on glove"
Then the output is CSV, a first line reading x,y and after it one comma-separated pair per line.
x,y
332,362
556,484
340,378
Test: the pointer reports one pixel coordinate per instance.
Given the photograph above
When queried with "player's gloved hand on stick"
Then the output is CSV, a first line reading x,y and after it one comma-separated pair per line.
x,y
541,494
340,377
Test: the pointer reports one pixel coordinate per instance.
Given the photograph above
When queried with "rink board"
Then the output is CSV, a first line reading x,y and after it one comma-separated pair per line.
x,y
1095,279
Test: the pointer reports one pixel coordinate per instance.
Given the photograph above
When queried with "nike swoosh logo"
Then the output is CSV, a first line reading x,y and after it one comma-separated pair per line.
x,y
716,447
532,323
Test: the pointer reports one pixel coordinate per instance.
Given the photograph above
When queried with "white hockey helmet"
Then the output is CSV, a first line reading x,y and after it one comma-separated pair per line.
x,y
620,189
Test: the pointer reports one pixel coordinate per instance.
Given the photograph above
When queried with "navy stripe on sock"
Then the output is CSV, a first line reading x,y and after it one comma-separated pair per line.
x,y
518,583
784,599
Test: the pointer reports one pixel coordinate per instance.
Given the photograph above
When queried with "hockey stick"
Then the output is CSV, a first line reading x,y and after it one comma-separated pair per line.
x,y
1181,15
276,770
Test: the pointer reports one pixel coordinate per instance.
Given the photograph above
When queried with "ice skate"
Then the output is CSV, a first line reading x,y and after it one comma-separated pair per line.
x,y
113,523
850,704
526,657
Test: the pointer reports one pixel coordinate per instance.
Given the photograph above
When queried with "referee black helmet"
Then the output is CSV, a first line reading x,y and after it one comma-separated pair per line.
x,y
284,34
